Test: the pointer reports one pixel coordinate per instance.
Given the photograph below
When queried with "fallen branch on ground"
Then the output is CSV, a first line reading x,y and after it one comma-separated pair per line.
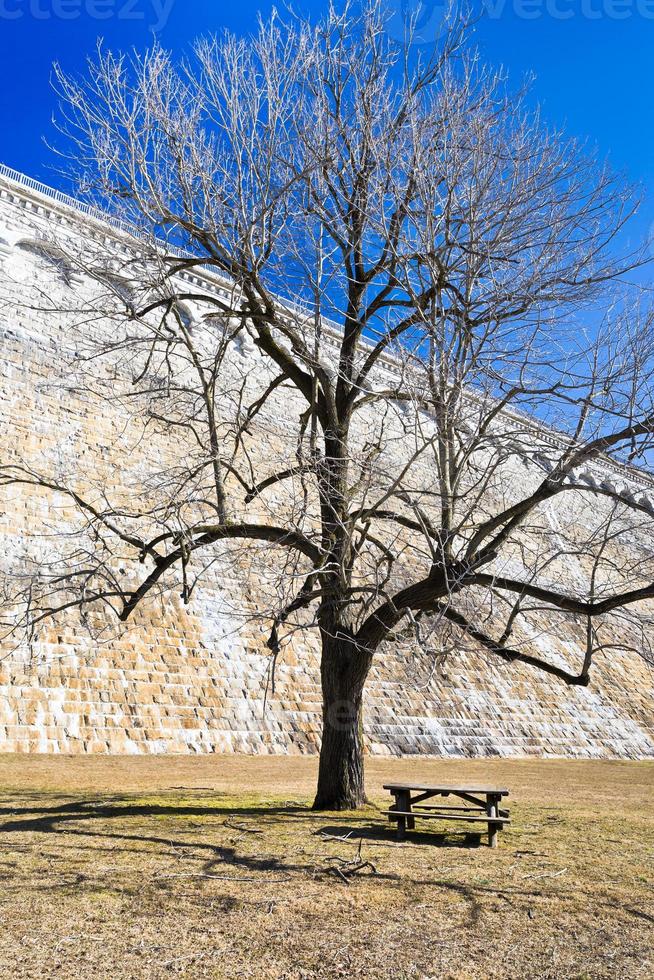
x,y
238,826
556,874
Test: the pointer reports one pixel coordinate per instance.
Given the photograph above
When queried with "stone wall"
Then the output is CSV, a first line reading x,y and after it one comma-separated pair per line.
x,y
194,678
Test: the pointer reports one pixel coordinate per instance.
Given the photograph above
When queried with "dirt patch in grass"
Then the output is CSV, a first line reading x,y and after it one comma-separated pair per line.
x,y
216,867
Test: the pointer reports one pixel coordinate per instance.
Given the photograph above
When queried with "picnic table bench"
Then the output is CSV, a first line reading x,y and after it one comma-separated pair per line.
x,y
482,806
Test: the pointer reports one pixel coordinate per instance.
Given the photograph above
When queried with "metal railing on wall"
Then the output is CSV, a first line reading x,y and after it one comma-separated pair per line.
x,y
61,198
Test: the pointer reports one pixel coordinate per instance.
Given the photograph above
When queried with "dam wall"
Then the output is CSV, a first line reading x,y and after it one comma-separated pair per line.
x,y
196,678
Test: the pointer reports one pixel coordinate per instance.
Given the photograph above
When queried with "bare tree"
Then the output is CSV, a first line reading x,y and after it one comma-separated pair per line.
x,y
453,391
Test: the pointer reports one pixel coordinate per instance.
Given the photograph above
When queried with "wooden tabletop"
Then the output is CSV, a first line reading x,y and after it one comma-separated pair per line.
x,y
421,788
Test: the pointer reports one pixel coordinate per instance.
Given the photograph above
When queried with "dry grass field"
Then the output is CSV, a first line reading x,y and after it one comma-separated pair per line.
x,y
215,867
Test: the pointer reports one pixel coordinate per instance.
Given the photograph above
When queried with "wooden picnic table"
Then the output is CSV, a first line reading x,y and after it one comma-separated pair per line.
x,y
482,805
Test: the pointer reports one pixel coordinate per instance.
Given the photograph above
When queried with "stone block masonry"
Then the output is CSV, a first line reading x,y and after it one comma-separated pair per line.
x,y
181,679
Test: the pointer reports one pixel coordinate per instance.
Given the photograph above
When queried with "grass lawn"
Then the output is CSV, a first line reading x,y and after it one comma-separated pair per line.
x,y
215,866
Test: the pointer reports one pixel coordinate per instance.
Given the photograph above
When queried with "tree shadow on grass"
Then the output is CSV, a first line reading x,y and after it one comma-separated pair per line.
x,y
386,834
45,818
78,824
52,819
201,857
87,823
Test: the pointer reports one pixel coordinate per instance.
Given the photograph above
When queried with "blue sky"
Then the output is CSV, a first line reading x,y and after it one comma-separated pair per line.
x,y
593,61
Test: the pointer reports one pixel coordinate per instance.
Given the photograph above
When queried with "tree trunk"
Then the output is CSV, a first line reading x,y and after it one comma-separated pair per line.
x,y
340,776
